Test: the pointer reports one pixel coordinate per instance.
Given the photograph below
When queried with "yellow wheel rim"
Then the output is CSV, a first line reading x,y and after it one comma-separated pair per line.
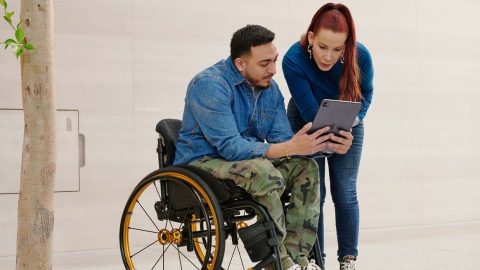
x,y
131,206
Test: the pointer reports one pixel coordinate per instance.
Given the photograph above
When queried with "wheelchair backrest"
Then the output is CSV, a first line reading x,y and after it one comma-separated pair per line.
x,y
168,130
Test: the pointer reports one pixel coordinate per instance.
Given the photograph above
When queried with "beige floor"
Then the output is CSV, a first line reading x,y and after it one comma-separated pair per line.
x,y
445,246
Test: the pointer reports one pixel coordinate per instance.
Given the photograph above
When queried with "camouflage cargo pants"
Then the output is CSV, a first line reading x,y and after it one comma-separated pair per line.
x,y
266,180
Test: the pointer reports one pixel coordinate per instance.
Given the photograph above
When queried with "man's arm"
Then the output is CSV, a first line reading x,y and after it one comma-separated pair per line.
x,y
282,141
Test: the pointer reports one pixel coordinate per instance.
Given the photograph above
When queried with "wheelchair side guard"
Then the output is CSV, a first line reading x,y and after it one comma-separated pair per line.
x,y
257,241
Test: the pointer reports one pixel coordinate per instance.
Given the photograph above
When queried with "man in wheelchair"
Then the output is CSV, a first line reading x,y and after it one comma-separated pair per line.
x,y
235,127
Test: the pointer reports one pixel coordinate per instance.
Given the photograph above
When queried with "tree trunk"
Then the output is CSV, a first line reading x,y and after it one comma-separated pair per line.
x,y
35,203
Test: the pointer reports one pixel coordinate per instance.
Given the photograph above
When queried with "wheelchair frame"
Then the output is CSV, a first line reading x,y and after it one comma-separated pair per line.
x,y
206,209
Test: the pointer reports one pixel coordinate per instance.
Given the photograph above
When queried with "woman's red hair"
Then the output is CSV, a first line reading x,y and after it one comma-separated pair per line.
x,y
337,18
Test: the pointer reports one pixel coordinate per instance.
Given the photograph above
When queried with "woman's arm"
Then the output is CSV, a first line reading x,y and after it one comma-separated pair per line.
x,y
300,89
366,82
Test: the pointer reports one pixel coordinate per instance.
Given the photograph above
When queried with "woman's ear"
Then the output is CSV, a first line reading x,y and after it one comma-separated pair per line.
x,y
310,37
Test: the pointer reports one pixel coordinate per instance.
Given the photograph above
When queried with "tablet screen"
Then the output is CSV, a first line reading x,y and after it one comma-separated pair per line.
x,y
337,114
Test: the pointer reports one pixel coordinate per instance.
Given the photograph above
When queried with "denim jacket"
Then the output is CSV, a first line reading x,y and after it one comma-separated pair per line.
x,y
223,118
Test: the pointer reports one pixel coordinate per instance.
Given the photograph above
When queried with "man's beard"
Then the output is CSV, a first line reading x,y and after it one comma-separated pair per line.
x,y
258,86
263,87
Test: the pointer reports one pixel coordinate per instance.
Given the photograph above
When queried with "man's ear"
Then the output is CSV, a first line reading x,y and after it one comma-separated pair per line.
x,y
239,64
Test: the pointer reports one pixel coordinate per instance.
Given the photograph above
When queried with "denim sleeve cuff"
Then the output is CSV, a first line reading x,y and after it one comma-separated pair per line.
x,y
260,150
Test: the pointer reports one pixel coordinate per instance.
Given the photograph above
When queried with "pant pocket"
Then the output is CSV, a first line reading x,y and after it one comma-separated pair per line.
x,y
243,169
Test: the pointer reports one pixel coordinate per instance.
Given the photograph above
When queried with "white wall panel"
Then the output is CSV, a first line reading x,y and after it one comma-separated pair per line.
x,y
68,155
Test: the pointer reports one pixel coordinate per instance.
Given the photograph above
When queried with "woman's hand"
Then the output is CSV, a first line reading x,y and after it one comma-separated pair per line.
x,y
341,145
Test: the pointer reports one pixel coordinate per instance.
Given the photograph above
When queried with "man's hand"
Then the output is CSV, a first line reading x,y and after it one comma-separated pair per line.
x,y
341,145
303,143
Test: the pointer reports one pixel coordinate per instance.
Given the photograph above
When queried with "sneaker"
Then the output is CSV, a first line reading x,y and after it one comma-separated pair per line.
x,y
312,266
347,263
295,267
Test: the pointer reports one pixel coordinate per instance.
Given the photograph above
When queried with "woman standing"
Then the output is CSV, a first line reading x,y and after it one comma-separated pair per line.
x,y
328,63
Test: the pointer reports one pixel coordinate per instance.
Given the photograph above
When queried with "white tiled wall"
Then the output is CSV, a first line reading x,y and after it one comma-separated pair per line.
x,y
124,65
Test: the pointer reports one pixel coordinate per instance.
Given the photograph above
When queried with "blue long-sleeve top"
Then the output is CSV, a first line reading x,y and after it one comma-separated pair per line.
x,y
309,85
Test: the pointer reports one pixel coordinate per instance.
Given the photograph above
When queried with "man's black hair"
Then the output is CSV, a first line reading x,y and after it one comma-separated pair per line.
x,y
249,36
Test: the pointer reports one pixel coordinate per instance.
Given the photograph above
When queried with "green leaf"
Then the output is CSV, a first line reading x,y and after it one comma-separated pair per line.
x,y
9,14
29,46
9,42
8,20
19,35
18,52
3,3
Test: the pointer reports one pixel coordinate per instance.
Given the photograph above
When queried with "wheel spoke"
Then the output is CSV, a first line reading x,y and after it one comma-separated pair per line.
x,y
142,230
179,259
240,255
231,258
171,225
155,184
144,248
186,257
202,243
161,256
185,216
168,213
147,215
163,259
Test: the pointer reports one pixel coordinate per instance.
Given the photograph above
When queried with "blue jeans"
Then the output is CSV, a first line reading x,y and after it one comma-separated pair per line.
x,y
343,171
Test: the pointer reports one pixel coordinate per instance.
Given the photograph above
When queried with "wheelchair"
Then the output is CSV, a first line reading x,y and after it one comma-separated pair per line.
x,y
181,217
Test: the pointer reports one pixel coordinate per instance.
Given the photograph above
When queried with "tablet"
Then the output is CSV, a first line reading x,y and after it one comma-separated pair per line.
x,y
337,114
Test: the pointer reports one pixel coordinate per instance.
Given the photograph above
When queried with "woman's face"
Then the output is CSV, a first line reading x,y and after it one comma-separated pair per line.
x,y
327,47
